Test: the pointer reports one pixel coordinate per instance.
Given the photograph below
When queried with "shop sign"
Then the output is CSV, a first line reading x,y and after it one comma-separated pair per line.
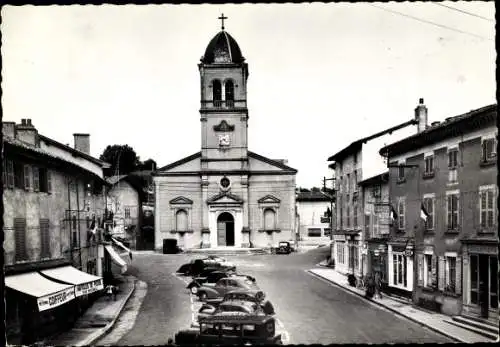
x,y
339,237
56,299
89,287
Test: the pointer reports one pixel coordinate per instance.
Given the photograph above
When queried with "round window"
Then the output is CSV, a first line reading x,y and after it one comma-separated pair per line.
x,y
224,182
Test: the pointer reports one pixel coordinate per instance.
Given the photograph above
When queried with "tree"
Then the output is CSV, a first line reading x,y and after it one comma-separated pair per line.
x,y
122,157
148,165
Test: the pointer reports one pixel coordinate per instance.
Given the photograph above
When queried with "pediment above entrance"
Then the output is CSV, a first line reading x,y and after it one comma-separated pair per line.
x,y
269,199
181,200
225,198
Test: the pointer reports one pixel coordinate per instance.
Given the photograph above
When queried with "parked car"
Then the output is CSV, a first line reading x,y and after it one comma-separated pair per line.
x,y
231,328
255,296
212,278
284,247
197,266
231,306
226,285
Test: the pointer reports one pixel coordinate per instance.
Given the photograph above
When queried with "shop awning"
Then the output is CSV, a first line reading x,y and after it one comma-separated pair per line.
x,y
49,294
122,246
115,257
84,283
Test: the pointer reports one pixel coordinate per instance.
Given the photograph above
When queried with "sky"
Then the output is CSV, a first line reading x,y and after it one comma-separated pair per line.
x,y
321,75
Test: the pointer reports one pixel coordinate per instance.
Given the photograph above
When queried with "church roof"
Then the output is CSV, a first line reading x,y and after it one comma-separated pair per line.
x,y
222,46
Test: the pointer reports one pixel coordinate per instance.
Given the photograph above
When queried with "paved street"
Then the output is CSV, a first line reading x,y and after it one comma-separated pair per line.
x,y
309,309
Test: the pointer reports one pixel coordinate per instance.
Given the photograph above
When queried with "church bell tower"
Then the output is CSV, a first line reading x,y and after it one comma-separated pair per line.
x,y
224,112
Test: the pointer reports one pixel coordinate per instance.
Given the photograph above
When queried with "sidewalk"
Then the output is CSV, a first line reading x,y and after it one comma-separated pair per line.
x,y
98,319
432,320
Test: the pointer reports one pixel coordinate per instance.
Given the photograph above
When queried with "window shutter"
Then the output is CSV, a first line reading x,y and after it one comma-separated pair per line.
x,y
45,238
10,174
36,179
4,172
434,271
27,177
420,258
441,270
458,273
20,238
449,211
49,182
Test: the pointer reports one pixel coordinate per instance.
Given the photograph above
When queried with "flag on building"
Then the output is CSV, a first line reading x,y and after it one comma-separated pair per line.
x,y
423,212
394,215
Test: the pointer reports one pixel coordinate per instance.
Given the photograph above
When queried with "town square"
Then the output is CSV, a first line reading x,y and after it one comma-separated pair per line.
x,y
310,173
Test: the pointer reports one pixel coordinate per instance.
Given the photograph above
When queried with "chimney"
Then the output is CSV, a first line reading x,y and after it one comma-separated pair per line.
x,y
9,129
421,116
82,143
26,132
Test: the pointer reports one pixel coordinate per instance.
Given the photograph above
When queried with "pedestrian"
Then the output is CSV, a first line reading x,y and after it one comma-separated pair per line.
x,y
378,285
115,292
370,286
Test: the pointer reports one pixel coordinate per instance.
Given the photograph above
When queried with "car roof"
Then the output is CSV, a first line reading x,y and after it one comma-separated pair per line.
x,y
236,302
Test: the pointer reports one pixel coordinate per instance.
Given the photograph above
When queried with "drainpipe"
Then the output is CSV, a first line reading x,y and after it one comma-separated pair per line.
x,y
78,225
68,180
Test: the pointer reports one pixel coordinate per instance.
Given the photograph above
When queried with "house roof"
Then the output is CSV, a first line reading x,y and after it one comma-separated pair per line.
x,y
377,179
356,145
134,181
74,151
312,196
453,126
39,151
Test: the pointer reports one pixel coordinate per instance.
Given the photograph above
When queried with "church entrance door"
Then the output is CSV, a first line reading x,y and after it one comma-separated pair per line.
x,y
225,229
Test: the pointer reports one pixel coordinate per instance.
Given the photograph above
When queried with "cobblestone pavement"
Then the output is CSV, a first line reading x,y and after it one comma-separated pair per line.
x,y
309,310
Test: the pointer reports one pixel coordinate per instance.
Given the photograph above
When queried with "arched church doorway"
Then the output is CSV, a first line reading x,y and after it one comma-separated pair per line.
x,y
225,229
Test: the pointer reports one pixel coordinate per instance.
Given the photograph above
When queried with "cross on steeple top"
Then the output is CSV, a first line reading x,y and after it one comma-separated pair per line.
x,y
222,20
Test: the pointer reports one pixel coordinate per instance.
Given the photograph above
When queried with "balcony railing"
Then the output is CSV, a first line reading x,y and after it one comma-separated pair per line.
x,y
223,104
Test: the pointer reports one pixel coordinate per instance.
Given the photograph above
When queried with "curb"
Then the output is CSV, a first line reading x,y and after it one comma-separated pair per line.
x,y
100,332
390,309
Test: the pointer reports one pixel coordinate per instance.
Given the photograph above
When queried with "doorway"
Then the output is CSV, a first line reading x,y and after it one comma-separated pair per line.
x,y
225,229
484,282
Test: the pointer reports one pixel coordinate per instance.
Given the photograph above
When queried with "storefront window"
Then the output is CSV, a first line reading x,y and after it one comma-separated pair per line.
x,y
399,269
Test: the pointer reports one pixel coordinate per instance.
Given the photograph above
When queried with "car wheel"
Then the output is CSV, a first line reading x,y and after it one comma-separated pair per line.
x,y
202,296
194,289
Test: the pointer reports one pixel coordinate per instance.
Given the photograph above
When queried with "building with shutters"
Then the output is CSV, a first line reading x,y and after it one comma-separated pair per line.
x,y
224,195
124,199
52,196
355,163
376,225
443,185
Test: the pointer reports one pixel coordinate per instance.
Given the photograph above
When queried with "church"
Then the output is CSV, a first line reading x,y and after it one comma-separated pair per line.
x,y
224,195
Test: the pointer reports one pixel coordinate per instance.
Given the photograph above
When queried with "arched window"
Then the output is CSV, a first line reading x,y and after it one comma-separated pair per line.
x,y
229,89
217,90
269,219
181,220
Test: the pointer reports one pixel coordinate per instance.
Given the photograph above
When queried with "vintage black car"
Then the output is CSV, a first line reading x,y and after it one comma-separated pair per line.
x,y
284,248
212,278
231,328
240,306
226,285
195,267
256,297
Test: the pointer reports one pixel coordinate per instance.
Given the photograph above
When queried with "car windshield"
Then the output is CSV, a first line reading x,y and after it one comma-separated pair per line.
x,y
284,244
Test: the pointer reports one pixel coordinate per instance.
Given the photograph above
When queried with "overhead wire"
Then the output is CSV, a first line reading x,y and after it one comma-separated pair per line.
x,y
462,11
432,23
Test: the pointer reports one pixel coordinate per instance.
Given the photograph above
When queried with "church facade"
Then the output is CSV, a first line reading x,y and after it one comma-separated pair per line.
x,y
224,195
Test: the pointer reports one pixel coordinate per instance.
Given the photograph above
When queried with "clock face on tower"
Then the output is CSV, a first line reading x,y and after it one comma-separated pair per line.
x,y
224,140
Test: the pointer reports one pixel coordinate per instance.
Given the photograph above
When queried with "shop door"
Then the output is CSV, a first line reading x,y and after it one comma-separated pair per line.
x,y
484,284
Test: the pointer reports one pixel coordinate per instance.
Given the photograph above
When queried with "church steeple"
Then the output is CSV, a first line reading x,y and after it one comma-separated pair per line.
x,y
224,113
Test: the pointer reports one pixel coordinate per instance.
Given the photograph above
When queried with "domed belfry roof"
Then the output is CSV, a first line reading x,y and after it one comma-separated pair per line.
x,y
222,49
